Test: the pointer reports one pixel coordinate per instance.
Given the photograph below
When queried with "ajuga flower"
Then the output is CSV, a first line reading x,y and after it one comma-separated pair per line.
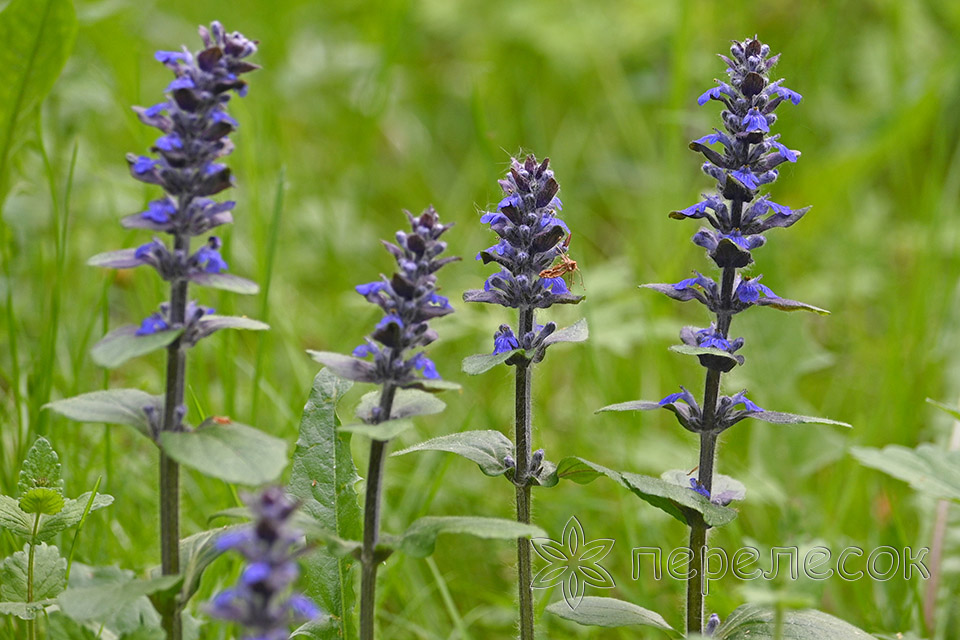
x,y
262,601
530,231
409,301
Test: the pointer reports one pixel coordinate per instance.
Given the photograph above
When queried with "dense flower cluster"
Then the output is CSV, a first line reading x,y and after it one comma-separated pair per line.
x,y
531,236
262,602
195,128
530,232
409,300
748,158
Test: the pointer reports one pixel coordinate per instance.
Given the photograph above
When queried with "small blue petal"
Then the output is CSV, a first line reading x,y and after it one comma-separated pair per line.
x,y
699,488
152,324
256,572
712,138
422,363
365,350
183,82
167,57
390,318
788,154
789,94
493,217
779,208
370,287
156,109
511,200
143,164
746,177
755,121
554,285
504,340
169,142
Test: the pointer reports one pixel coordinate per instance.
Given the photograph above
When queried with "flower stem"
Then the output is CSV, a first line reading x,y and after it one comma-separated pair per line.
x,y
32,624
371,520
708,447
169,469
524,451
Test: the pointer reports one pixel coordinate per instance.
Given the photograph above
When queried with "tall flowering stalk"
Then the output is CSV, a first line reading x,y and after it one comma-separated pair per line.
x,y
738,215
184,161
262,602
531,238
409,301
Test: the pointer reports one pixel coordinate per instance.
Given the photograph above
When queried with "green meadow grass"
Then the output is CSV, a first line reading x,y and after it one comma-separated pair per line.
x,y
363,109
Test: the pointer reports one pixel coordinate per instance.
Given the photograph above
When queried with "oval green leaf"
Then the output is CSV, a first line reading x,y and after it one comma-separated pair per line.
x,y
755,622
609,612
123,343
228,451
487,448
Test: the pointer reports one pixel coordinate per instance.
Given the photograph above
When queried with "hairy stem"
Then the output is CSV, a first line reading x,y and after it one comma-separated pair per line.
x,y
371,520
169,469
32,624
708,446
524,451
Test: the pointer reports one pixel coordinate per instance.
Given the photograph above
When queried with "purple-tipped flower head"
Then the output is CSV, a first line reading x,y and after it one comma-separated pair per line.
x,y
262,601
749,156
530,234
409,300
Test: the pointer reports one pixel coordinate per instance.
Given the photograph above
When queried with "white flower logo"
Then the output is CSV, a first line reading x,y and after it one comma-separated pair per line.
x,y
573,564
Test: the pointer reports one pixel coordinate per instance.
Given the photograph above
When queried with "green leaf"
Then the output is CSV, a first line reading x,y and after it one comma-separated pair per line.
x,y
346,366
420,539
610,612
383,431
105,600
42,500
41,468
49,574
123,343
71,514
196,554
689,350
37,37
778,417
406,404
754,622
115,406
215,323
730,489
487,448
130,615
928,468
675,500
952,411
435,385
226,282
60,627
24,610
13,519
229,451
482,362
577,332
631,405
323,478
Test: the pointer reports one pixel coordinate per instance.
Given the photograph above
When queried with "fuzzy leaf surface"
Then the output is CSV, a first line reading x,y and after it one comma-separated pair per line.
x,y
928,468
229,451
674,500
324,478
487,448
123,343
114,406
610,612
755,622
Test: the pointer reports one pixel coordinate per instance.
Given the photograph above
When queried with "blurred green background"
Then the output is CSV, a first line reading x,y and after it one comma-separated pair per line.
x,y
363,109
